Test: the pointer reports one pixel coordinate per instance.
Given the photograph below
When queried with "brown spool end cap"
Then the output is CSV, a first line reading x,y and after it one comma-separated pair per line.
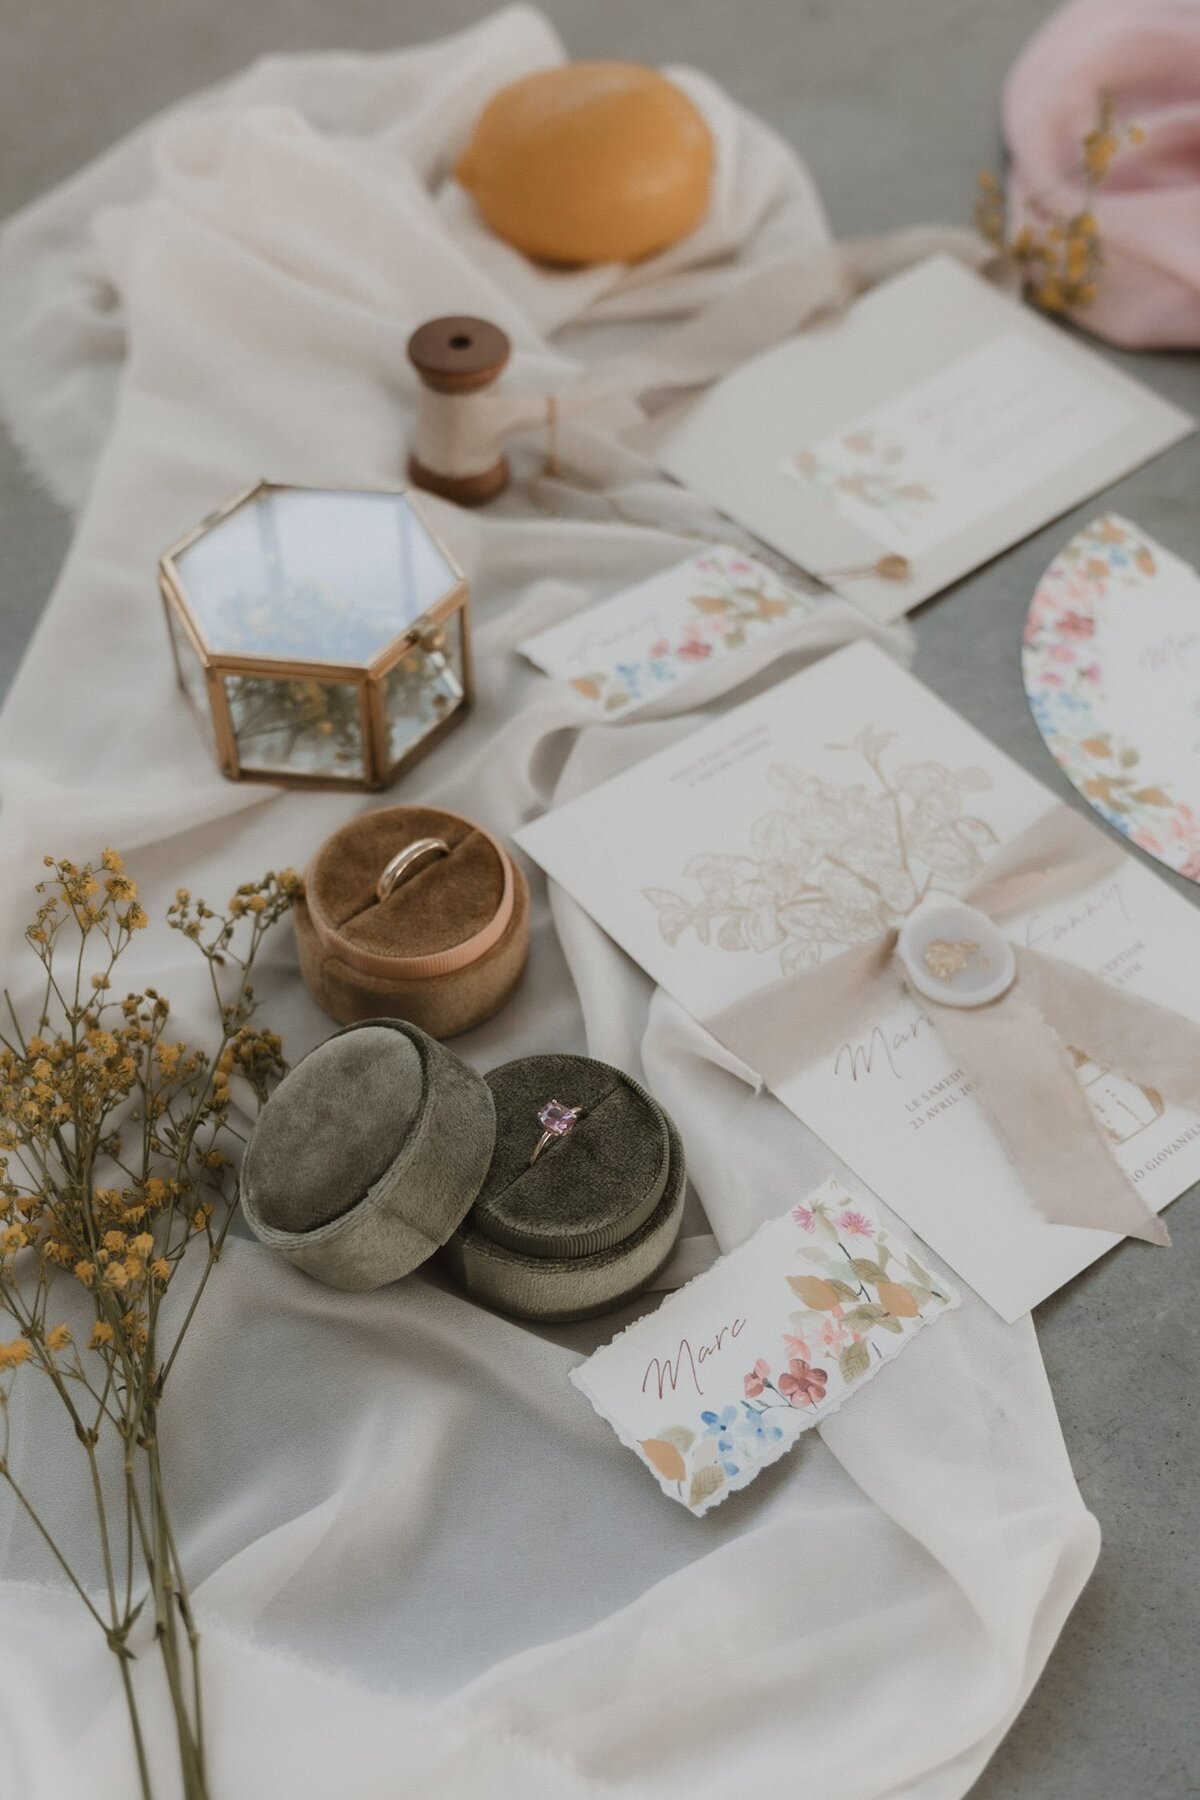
x,y
463,490
458,354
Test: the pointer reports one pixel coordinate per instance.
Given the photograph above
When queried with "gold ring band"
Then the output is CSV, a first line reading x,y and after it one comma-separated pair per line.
x,y
407,861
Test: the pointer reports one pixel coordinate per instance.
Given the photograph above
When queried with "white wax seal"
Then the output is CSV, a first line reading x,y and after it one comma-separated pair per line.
x,y
954,954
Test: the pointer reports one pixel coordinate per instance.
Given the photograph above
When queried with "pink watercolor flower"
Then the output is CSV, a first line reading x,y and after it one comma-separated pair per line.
x,y
856,1223
1062,653
1073,624
694,651
805,1218
1050,679
757,1379
660,649
833,1332
796,1346
1075,587
1091,673
803,1385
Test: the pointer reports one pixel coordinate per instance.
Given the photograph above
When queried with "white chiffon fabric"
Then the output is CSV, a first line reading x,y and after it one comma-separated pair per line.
x,y
423,1567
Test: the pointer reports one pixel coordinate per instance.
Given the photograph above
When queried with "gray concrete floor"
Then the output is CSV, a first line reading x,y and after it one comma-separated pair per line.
x,y
894,105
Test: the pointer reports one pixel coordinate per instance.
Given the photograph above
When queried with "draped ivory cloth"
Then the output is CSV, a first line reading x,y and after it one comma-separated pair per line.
x,y
423,1567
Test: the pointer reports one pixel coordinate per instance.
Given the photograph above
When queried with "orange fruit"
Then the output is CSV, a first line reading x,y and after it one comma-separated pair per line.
x,y
591,162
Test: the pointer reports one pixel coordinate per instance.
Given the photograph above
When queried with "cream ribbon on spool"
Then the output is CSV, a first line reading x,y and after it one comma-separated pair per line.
x,y
464,435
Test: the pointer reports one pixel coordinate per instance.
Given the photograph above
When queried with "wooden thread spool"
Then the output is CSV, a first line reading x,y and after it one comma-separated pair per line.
x,y
458,452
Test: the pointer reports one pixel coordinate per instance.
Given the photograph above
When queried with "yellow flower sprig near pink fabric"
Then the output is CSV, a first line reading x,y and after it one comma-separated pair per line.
x,y
1058,253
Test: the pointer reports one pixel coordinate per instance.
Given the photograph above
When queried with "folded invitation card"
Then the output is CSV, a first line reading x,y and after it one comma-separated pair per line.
x,y
1112,668
798,827
723,1378
938,420
651,637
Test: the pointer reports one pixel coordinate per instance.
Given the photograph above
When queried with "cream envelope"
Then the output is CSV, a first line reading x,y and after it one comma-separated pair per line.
x,y
938,420
719,834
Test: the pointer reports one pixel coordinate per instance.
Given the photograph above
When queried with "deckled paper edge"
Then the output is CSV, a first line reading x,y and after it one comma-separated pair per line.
x,y
811,1419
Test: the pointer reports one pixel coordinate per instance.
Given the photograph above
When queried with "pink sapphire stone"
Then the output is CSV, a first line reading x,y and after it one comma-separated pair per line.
x,y
556,1117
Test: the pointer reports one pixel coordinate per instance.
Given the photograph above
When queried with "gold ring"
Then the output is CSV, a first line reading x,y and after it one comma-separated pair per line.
x,y
407,861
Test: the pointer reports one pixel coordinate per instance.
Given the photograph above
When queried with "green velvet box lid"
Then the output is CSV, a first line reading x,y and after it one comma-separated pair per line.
x,y
381,1147
368,1154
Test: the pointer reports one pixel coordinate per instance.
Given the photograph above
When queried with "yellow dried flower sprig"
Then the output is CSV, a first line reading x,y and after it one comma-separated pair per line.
x,y
117,1148
1059,256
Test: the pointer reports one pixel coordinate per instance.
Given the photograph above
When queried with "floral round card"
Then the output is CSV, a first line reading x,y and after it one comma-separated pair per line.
x,y
1111,661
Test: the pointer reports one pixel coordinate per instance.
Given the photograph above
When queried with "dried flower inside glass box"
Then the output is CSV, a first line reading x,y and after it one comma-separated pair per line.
x,y
322,635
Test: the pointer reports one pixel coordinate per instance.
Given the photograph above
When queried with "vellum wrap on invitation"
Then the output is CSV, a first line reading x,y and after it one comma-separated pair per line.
x,y
814,834
1015,1048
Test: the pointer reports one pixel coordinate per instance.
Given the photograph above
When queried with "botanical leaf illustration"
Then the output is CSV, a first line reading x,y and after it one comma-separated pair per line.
x,y
868,1270
898,1299
665,1457
866,1316
833,864
705,1481
680,1436
818,1294
871,468
854,1361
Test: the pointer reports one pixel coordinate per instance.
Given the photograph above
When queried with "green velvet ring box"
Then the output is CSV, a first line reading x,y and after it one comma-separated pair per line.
x,y
443,950
382,1148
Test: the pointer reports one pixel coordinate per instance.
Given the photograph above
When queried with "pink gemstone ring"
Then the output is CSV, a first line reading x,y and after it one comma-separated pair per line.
x,y
556,1121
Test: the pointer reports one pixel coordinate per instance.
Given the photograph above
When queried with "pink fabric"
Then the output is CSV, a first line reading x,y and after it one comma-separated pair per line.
x,y
1146,54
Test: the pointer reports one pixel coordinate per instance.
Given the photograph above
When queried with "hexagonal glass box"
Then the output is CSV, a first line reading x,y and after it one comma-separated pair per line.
x,y
322,635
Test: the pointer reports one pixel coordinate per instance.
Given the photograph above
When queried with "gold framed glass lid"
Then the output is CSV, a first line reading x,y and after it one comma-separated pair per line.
x,y
326,630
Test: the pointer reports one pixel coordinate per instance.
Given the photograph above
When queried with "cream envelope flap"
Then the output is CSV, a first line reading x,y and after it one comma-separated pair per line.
x,y
938,419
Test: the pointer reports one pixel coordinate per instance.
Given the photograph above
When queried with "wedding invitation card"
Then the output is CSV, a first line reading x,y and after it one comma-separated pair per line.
x,y
938,420
804,823
723,1378
1112,668
649,638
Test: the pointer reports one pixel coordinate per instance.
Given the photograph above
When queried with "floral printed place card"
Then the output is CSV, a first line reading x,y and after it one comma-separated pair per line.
x,y
806,822
1112,668
938,419
731,1370
630,649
